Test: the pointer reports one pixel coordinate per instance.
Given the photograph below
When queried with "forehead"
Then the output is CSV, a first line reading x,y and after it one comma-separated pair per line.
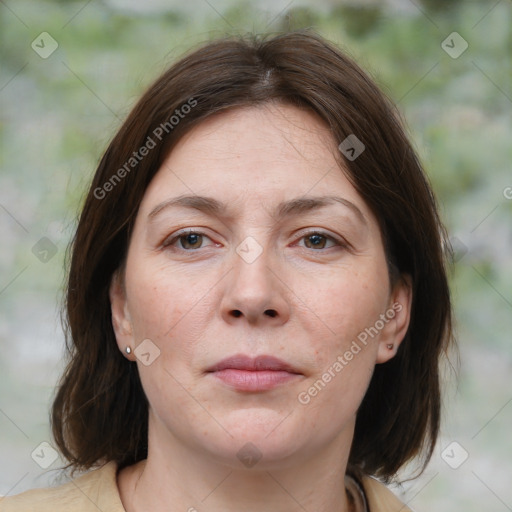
x,y
268,153
281,128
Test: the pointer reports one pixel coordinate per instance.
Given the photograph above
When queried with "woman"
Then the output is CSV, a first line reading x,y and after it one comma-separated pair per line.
x,y
257,300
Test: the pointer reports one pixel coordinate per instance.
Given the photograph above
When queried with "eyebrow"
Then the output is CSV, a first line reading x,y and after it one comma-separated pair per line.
x,y
296,206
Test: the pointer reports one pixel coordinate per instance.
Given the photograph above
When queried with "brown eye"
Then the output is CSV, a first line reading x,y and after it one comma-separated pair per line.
x,y
187,241
191,241
315,241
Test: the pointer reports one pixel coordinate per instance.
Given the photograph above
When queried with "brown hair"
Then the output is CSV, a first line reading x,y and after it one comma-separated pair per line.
x,y
100,412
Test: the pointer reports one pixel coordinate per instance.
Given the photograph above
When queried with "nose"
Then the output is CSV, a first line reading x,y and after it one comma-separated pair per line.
x,y
255,293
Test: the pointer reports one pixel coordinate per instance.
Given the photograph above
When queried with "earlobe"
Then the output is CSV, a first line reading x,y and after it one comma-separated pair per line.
x,y
399,312
121,320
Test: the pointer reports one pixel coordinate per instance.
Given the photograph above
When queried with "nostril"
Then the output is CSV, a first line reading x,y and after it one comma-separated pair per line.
x,y
269,312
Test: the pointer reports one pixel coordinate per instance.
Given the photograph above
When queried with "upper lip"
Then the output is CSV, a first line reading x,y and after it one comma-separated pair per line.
x,y
259,363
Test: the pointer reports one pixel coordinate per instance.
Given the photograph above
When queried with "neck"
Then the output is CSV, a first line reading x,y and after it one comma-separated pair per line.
x,y
178,478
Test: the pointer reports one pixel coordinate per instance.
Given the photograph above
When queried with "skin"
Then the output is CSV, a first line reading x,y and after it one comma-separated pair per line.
x,y
199,301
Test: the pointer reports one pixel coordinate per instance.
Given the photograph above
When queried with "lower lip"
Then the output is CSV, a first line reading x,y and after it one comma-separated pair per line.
x,y
260,380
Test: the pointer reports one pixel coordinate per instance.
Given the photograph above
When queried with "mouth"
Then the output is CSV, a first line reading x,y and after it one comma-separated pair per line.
x,y
245,373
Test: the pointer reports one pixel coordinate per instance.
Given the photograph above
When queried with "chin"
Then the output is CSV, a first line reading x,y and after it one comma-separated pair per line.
x,y
260,439
258,454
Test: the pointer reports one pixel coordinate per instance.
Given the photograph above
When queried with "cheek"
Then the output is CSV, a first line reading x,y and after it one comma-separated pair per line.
x,y
352,304
160,298
174,309
342,307
168,308
345,354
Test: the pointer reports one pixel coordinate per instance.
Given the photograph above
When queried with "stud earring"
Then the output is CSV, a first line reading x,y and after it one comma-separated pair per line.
x,y
128,350
390,346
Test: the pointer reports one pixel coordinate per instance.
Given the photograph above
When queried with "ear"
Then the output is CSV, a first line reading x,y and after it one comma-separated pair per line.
x,y
398,315
121,320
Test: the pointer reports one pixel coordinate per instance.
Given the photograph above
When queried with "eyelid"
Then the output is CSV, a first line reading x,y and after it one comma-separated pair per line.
x,y
340,242
169,240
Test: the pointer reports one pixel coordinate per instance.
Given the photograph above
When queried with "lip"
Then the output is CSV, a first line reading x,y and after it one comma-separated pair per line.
x,y
246,373
260,363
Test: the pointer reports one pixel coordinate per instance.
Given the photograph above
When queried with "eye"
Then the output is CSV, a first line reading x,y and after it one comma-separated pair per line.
x,y
318,240
187,240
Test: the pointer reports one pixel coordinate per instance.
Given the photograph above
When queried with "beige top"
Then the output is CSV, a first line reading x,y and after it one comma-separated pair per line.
x,y
97,491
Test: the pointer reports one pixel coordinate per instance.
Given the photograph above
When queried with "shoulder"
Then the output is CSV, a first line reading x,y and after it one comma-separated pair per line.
x,y
380,498
93,491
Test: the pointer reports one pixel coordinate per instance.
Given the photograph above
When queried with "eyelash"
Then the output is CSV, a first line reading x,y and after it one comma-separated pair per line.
x,y
170,241
325,235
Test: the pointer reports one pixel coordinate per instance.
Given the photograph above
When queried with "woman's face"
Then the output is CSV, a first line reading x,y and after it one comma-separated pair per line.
x,y
250,242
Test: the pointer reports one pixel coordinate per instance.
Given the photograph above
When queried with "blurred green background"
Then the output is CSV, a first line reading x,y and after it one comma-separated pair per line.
x,y
59,111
